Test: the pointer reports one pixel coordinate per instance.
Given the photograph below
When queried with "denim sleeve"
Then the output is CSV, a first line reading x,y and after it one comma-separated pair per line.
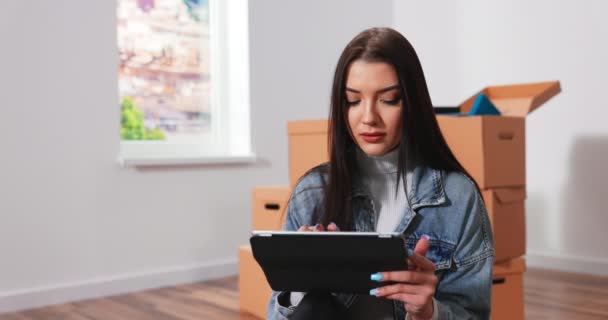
x,y
279,307
465,290
276,311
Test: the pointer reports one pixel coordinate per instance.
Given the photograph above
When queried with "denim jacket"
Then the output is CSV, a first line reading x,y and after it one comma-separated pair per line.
x,y
445,206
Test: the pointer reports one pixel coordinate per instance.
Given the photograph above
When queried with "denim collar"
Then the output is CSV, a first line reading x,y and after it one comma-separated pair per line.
x,y
424,188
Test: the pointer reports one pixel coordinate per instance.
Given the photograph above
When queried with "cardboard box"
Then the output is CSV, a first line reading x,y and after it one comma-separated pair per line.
x,y
492,148
254,291
507,215
508,290
307,146
269,207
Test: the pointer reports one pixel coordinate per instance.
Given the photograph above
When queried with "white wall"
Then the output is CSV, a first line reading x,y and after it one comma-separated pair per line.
x,y
73,223
433,28
501,42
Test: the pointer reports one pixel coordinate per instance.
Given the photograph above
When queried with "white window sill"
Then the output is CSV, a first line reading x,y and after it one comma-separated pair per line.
x,y
136,161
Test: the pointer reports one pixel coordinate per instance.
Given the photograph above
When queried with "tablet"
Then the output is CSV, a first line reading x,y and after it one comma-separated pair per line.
x,y
327,261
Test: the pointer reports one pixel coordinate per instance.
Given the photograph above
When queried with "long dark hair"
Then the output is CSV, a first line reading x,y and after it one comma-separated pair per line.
x,y
421,140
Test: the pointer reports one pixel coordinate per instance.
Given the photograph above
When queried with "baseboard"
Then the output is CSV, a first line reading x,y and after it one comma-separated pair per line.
x,y
568,263
94,288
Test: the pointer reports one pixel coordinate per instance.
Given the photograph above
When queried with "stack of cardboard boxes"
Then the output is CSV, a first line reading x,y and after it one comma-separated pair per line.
x,y
491,149
269,204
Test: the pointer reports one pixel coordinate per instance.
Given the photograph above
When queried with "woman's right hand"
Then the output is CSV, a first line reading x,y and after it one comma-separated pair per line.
x,y
332,227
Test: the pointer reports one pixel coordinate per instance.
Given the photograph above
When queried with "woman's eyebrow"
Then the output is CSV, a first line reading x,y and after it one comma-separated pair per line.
x,y
389,88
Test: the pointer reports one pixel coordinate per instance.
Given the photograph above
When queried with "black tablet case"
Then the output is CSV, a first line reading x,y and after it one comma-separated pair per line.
x,y
316,262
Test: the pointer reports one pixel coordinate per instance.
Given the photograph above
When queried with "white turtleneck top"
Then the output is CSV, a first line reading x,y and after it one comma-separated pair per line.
x,y
379,175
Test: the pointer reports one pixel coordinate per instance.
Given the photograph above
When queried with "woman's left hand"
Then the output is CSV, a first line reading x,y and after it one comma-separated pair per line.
x,y
415,287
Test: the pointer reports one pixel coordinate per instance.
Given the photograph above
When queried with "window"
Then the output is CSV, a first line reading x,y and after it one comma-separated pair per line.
x,y
180,60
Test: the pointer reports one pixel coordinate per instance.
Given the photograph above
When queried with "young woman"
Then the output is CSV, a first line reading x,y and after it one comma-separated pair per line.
x,y
390,170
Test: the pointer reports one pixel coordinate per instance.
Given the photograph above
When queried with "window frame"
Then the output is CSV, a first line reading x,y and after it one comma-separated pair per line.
x,y
229,140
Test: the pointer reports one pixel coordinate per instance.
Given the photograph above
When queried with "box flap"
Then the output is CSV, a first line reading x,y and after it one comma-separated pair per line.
x,y
508,195
516,100
307,127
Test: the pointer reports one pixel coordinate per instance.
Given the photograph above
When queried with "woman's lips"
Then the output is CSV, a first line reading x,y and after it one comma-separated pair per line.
x,y
373,136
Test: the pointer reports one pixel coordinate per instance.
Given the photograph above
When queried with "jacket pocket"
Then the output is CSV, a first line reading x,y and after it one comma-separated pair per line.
x,y
441,252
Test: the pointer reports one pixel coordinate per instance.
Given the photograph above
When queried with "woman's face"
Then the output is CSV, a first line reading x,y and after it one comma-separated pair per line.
x,y
373,96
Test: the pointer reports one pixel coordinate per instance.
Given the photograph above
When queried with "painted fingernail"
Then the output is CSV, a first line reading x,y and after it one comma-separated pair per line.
x,y
426,236
318,226
373,292
331,224
376,277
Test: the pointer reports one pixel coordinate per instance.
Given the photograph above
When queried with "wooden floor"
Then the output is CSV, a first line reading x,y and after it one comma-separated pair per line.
x,y
560,295
548,295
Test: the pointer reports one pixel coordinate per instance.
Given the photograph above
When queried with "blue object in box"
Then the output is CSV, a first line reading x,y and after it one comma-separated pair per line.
x,y
483,107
